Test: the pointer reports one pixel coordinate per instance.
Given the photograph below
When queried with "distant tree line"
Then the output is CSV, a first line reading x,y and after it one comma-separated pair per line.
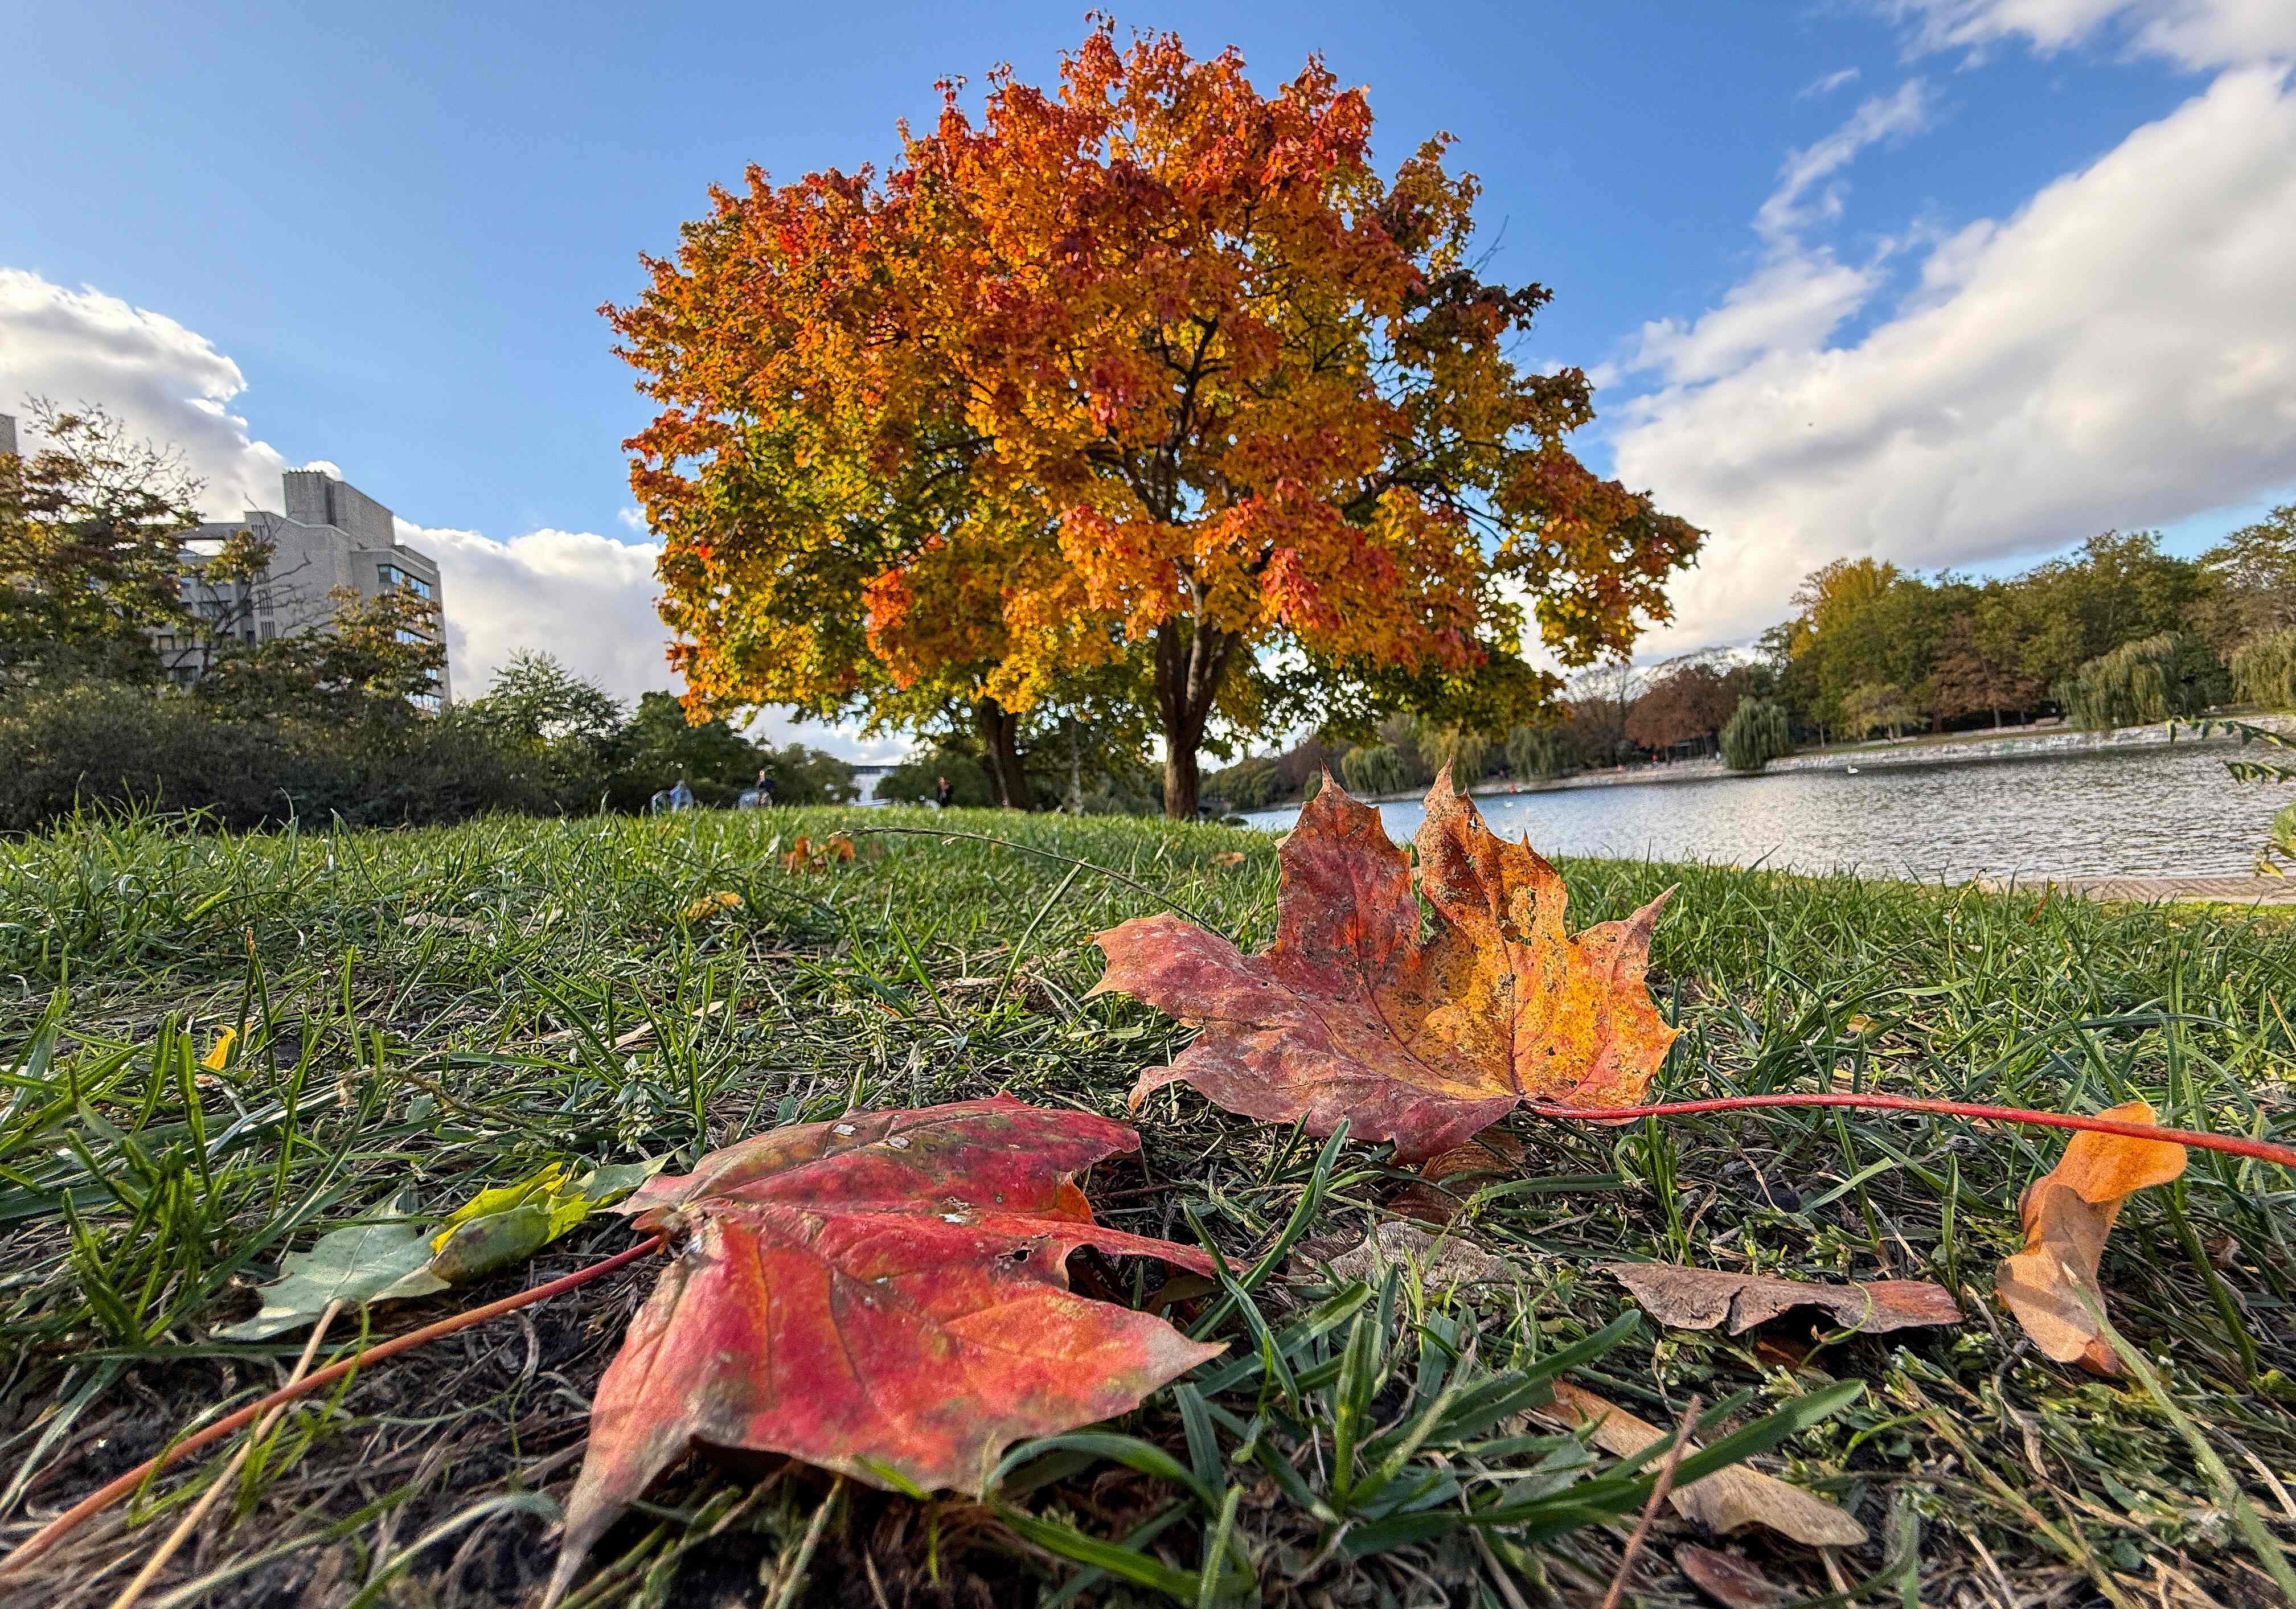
x,y
2118,632
311,725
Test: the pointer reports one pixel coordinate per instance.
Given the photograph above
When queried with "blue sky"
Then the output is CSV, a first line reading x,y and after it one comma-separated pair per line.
x,y
378,237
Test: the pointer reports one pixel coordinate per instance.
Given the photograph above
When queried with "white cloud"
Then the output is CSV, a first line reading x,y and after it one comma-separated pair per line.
x,y
1890,116
1828,84
587,600
2198,34
632,519
165,382
2120,352
1801,294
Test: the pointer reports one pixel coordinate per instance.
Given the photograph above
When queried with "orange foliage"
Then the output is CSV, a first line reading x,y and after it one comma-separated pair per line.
x,y
1148,363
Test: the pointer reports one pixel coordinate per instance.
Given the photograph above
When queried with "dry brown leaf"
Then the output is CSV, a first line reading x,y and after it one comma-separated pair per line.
x,y
1727,1578
1443,1261
2068,1213
1701,1299
1230,858
1729,1499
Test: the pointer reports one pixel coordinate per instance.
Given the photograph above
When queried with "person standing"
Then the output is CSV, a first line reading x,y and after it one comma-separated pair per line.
x,y
944,795
765,800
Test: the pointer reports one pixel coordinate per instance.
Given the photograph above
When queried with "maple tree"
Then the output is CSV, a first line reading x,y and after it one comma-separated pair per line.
x,y
884,1295
1149,371
1348,1016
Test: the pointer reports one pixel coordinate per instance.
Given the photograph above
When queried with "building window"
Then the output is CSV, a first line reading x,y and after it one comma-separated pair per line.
x,y
268,631
390,575
404,635
427,702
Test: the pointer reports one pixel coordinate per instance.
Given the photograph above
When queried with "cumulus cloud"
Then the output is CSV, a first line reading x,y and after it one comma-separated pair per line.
x,y
165,382
2121,351
587,600
2198,34
1801,294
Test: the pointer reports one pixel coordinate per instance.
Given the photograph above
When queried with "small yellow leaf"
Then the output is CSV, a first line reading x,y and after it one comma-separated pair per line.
x,y
711,905
219,1053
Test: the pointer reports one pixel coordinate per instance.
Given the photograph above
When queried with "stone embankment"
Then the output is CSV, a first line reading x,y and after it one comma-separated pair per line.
x,y
2025,743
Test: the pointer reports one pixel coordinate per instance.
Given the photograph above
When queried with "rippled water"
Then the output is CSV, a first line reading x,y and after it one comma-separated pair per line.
x,y
2134,813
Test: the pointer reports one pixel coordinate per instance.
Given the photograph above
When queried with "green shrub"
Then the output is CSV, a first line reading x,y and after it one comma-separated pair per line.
x,y
1756,733
105,743
914,780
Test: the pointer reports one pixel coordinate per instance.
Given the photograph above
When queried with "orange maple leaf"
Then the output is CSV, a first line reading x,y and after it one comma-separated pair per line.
x,y
2069,1211
885,1295
1349,1015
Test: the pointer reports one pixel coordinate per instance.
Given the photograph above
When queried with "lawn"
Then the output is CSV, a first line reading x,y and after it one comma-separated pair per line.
x,y
433,1013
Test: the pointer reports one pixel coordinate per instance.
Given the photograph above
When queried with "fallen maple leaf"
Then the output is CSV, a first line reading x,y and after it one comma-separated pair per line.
x,y
885,1295
1730,1499
1701,1299
2051,1285
1349,1017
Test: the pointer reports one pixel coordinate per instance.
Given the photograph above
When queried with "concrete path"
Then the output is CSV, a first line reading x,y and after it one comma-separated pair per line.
x,y
2146,890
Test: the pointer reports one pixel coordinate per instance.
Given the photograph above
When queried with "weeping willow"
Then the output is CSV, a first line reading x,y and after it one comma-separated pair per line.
x,y
2151,679
1537,751
2264,669
1756,733
1381,768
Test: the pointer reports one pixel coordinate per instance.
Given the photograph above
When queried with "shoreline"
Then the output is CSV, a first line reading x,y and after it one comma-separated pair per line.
x,y
2050,743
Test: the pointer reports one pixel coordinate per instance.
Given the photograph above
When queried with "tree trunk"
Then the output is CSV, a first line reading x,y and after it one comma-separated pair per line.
x,y
1190,663
1000,739
1076,773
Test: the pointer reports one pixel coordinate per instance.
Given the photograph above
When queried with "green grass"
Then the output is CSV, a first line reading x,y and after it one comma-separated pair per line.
x,y
1357,1449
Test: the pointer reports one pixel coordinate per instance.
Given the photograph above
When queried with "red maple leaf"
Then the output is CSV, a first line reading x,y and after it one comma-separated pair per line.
x,y
1349,1015
885,1295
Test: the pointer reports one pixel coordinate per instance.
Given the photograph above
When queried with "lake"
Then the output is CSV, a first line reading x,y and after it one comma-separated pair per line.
x,y
2159,812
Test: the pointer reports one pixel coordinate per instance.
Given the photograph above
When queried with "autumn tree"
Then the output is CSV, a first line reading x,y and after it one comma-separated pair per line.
x,y
1686,701
88,541
1980,667
1147,370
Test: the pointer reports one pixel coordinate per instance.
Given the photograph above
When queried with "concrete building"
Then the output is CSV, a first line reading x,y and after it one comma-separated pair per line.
x,y
332,535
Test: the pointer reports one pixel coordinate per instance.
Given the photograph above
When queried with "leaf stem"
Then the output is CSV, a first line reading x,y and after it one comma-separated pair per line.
x,y
2236,1145
56,1529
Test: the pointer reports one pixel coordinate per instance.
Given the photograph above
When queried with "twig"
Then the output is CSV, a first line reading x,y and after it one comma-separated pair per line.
x,y
2236,1145
56,1529
1658,1488
222,1482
